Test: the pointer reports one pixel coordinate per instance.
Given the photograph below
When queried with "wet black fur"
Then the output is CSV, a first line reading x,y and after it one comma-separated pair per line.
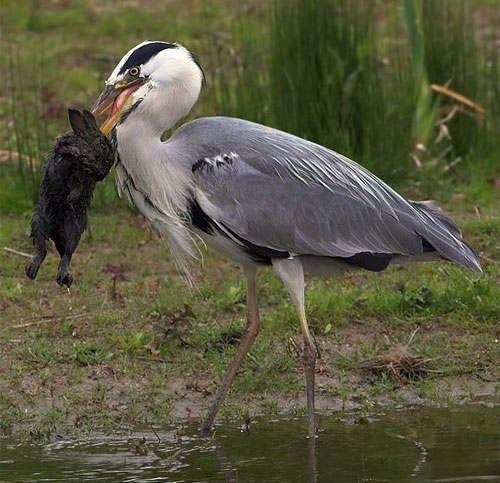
x,y
79,160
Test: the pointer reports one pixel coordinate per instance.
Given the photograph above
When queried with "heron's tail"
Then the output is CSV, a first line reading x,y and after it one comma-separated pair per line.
x,y
444,236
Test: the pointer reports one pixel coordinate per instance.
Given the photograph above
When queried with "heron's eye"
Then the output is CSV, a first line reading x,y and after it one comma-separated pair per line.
x,y
133,71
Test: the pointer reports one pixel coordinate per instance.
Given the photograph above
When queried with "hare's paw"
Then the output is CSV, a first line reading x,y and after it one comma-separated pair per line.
x,y
31,268
64,278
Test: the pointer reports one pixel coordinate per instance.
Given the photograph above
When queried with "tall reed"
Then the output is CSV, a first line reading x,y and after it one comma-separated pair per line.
x,y
240,76
28,141
26,134
356,77
330,83
453,58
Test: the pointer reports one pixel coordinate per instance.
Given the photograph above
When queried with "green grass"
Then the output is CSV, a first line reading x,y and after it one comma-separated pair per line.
x,y
101,358
145,349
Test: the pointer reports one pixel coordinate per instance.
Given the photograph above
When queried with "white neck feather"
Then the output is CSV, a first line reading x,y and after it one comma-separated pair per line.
x,y
159,186
161,108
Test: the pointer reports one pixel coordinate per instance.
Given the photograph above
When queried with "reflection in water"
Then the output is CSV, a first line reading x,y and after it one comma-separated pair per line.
x,y
311,460
230,472
439,445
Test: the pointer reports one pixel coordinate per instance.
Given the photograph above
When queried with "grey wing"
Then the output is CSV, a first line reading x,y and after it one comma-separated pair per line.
x,y
278,191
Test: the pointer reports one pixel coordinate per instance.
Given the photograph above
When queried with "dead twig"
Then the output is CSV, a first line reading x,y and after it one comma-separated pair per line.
x,y
411,337
448,117
151,359
156,434
17,252
451,166
457,96
46,320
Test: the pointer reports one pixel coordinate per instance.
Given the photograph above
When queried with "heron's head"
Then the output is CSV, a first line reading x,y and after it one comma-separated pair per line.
x,y
158,81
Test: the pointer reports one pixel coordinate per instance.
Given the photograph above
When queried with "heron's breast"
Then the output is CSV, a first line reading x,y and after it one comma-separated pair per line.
x,y
225,246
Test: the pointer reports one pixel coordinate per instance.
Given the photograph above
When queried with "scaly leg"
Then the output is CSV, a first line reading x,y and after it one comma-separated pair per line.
x,y
291,273
246,343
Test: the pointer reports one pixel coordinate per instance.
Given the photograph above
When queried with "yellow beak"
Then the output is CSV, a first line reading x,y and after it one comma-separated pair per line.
x,y
118,98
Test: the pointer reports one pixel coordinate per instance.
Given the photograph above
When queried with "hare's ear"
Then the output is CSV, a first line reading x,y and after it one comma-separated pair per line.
x,y
77,122
90,120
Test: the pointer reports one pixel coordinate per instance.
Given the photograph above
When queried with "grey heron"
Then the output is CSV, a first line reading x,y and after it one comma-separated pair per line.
x,y
257,195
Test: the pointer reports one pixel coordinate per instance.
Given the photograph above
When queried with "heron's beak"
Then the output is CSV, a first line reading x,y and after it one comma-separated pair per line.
x,y
117,97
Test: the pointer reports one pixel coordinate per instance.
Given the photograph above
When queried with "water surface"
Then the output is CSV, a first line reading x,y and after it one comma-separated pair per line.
x,y
438,445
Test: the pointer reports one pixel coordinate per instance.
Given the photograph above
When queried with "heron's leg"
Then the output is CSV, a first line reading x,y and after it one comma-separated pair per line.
x,y
291,273
246,343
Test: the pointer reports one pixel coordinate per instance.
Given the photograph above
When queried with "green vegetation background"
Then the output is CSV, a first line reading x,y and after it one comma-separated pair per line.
x,y
354,76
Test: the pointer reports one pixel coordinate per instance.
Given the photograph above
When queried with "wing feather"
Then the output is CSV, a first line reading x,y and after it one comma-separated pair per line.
x,y
289,194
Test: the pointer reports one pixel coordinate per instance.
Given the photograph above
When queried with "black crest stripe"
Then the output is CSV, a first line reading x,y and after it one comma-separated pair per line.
x,y
142,54
196,60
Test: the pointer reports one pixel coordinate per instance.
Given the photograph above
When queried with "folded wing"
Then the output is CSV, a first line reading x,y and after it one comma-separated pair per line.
x,y
281,192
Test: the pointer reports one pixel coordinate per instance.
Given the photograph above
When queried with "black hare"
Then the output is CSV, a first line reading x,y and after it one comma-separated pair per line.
x,y
79,160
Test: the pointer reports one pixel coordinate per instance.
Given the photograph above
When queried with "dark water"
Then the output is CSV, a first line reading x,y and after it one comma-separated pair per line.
x,y
440,445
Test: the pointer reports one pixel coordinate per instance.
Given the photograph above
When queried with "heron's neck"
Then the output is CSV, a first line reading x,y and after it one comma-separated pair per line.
x,y
159,108
149,173
149,162
138,142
